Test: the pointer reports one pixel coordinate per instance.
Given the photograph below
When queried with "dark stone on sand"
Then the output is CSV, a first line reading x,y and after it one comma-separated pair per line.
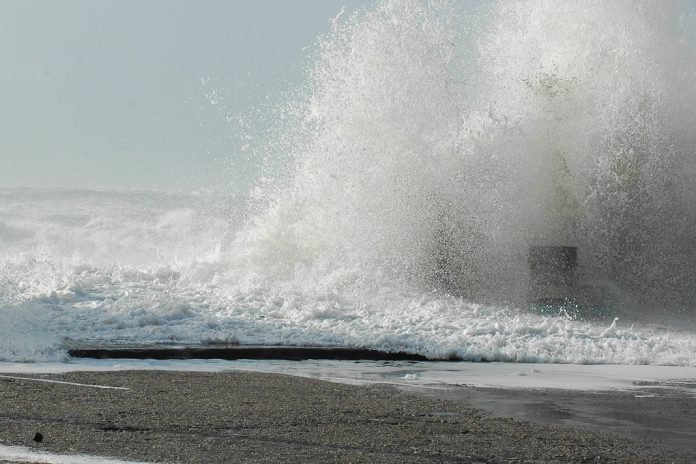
x,y
235,352
38,437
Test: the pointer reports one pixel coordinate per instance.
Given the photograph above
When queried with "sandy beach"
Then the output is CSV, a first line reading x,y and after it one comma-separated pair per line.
x,y
162,416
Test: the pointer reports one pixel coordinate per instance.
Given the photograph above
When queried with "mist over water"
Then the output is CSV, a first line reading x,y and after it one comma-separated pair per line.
x,y
550,124
431,147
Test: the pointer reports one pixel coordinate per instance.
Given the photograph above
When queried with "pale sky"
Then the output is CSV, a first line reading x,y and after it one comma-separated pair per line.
x,y
111,93
115,93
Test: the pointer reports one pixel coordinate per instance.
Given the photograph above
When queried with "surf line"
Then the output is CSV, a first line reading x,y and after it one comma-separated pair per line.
x,y
63,383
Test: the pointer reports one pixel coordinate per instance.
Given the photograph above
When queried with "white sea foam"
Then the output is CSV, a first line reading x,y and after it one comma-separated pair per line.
x,y
427,374
24,454
431,146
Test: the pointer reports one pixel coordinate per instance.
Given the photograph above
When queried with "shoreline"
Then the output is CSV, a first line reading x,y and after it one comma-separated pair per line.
x,y
235,416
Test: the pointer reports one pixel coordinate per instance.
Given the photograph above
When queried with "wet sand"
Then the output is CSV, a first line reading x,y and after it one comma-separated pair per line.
x,y
163,416
663,413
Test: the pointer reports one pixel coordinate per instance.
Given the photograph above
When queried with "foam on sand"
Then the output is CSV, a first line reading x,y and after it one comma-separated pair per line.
x,y
22,454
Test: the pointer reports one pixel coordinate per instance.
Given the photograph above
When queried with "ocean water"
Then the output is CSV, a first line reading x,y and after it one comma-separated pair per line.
x,y
432,144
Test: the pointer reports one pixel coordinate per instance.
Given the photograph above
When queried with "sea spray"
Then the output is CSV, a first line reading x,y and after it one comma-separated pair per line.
x,y
432,159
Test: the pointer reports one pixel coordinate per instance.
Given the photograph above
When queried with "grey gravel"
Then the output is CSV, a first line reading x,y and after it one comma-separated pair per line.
x,y
262,418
